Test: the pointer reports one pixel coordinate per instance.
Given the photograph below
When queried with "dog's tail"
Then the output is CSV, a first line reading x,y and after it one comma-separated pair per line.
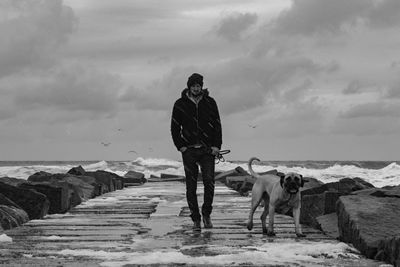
x,y
253,173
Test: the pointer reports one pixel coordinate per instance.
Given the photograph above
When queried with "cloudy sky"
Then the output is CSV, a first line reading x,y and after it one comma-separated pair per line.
x,y
294,79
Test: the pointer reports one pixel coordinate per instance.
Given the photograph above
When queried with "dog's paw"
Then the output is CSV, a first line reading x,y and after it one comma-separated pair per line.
x,y
249,226
300,235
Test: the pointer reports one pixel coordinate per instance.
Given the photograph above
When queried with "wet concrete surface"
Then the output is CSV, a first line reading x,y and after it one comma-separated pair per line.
x,y
149,225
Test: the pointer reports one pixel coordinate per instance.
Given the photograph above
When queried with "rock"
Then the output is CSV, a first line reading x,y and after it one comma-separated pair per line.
x,y
241,171
316,188
370,223
35,204
77,171
11,217
172,179
12,181
389,250
313,206
380,192
363,182
83,186
242,184
328,223
347,185
61,197
168,175
7,202
133,177
111,181
310,182
222,176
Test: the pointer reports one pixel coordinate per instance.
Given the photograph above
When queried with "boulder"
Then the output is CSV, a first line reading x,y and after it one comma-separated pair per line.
x,y
347,185
111,180
361,181
168,175
133,177
313,206
318,199
35,204
7,202
61,197
238,171
389,250
369,219
242,184
328,223
309,183
11,217
12,181
82,186
77,171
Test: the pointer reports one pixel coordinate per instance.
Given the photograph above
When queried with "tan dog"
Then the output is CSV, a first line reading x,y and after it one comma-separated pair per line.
x,y
276,192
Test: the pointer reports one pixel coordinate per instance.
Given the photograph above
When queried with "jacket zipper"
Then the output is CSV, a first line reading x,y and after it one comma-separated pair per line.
x,y
197,121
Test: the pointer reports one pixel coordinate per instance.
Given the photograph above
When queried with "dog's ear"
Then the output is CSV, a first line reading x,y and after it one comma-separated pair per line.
x,y
302,181
282,176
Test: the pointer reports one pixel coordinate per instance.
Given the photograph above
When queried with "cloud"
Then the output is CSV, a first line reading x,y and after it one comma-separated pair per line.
x,y
394,90
314,16
233,26
31,33
308,17
384,13
373,110
71,87
298,91
353,87
248,82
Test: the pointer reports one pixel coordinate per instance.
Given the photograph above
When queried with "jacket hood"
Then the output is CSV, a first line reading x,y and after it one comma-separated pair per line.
x,y
186,90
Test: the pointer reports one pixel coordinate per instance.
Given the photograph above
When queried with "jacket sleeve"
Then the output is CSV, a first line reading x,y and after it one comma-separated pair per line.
x,y
217,142
176,123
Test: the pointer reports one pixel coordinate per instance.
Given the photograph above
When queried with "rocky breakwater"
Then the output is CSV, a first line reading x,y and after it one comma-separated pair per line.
x,y
46,193
370,220
351,210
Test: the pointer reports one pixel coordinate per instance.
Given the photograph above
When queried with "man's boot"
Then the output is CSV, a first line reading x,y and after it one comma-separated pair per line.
x,y
207,222
196,226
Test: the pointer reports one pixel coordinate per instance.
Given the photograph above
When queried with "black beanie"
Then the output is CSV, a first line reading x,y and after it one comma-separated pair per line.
x,y
195,78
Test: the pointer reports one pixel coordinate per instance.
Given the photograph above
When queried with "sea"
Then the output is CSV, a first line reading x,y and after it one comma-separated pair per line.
x,y
378,173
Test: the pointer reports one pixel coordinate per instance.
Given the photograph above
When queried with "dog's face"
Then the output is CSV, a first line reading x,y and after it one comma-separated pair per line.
x,y
292,182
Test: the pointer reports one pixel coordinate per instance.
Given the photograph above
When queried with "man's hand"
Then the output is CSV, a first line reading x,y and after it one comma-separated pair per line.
x,y
183,149
214,150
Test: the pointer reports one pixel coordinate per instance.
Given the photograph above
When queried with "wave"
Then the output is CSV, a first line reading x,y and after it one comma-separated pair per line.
x,y
378,173
101,165
151,162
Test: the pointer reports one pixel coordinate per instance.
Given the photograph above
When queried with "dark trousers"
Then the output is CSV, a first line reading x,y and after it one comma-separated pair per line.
x,y
192,159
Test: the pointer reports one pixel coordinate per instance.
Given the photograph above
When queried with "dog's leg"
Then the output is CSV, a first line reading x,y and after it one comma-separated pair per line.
x,y
296,217
265,213
271,214
256,196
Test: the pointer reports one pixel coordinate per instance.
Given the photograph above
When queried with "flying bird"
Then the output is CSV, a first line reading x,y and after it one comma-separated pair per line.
x,y
105,144
252,126
132,151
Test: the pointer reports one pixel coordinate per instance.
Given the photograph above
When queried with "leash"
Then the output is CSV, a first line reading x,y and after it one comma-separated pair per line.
x,y
220,156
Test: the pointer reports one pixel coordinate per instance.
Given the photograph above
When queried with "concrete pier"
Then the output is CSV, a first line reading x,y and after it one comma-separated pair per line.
x,y
149,225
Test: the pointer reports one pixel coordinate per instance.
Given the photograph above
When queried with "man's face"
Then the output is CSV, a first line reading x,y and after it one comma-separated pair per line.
x,y
195,89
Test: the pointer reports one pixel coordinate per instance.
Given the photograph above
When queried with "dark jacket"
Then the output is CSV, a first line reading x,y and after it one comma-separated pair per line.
x,y
193,124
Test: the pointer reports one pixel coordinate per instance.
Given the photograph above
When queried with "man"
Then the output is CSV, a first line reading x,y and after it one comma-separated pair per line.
x,y
196,132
